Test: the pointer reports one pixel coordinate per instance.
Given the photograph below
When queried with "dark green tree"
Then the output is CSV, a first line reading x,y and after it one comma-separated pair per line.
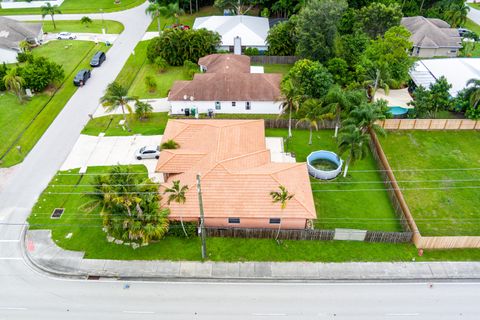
x,y
310,79
282,39
377,18
317,28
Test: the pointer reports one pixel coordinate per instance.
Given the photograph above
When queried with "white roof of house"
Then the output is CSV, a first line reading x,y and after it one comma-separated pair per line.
x,y
457,71
252,30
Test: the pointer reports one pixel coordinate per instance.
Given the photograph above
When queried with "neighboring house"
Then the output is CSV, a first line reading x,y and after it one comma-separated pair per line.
x,y
13,32
227,86
243,31
457,71
432,37
237,176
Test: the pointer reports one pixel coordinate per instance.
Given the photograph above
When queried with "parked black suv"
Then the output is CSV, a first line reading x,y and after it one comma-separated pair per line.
x,y
82,77
98,59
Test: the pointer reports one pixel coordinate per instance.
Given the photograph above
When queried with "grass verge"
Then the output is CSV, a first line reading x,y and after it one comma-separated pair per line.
x,y
96,26
87,235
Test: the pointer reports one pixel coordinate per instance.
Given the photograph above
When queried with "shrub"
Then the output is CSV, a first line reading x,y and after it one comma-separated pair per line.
x,y
282,39
170,144
143,110
151,83
24,57
251,52
3,72
161,64
176,46
176,230
190,68
41,72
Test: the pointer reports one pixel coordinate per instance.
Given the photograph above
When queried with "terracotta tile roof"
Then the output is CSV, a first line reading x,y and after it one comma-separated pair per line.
x,y
237,174
229,87
225,63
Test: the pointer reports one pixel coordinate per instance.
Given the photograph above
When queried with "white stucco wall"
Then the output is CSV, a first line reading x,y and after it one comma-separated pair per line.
x,y
432,52
256,107
8,56
24,4
227,48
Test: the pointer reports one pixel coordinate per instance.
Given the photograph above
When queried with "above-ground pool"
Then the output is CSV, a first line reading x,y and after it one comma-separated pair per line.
x,y
398,111
324,165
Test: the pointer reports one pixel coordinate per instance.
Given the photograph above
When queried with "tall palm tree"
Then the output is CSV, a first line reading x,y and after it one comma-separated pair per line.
x,y
172,10
14,83
177,193
289,103
377,78
365,117
281,196
355,142
155,10
117,96
48,9
456,14
312,117
473,90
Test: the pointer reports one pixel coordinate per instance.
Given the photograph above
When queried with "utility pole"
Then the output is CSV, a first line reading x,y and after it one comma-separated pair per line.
x,y
202,220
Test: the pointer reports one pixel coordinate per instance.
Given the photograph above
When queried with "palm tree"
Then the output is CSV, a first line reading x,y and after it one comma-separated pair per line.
x,y
177,194
48,9
456,14
355,142
24,46
312,117
170,144
14,83
86,21
377,78
143,109
172,10
155,10
282,196
290,102
365,117
473,90
117,96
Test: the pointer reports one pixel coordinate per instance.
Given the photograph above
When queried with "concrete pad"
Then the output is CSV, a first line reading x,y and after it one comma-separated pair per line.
x,y
187,269
399,98
225,270
168,269
247,269
203,270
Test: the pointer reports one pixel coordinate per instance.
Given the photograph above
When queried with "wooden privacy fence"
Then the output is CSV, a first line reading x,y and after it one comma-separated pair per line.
x,y
307,234
283,123
448,242
274,59
430,124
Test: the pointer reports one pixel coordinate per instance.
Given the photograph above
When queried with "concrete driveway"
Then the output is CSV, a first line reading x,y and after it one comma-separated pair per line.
x,y
109,151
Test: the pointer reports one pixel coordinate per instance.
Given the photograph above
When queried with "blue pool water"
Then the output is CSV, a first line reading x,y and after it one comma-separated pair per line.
x,y
397,111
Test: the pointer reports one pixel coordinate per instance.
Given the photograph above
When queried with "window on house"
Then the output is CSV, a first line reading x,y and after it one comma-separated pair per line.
x,y
275,220
248,105
234,103
453,51
234,220
218,105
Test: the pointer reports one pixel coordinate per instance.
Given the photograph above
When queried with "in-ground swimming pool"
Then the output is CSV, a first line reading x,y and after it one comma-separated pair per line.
x,y
397,111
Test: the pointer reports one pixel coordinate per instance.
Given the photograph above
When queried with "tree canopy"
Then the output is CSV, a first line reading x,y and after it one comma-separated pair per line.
x,y
310,79
376,18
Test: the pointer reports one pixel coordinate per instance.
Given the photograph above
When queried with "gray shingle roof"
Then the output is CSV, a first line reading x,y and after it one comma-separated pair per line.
x,y
12,32
431,33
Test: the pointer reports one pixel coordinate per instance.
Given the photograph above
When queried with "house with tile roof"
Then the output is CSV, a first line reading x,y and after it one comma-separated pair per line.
x,y
432,37
245,31
227,86
237,176
13,32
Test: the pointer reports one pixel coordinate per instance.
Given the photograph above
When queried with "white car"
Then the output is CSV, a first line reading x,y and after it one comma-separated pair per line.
x,y
148,152
66,36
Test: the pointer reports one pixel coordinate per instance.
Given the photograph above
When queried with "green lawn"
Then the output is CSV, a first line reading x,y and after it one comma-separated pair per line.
x,y
133,65
81,6
475,28
276,68
164,81
440,189
76,26
185,19
152,126
344,202
16,118
66,191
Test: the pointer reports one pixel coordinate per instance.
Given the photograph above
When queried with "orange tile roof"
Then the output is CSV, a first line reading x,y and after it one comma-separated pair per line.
x,y
236,171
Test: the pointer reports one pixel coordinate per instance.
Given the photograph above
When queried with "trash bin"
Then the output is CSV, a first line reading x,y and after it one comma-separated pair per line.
x,y
193,111
210,113
107,43
187,112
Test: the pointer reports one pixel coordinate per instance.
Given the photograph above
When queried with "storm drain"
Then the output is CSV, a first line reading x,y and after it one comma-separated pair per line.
x,y
57,213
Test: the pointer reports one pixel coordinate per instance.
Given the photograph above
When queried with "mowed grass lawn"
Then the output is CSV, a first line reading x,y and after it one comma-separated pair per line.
x,y
439,172
67,188
76,26
276,68
344,202
186,19
16,118
81,6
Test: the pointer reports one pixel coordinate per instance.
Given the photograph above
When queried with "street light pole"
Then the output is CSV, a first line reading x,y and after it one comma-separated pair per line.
x,y
103,22
202,220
